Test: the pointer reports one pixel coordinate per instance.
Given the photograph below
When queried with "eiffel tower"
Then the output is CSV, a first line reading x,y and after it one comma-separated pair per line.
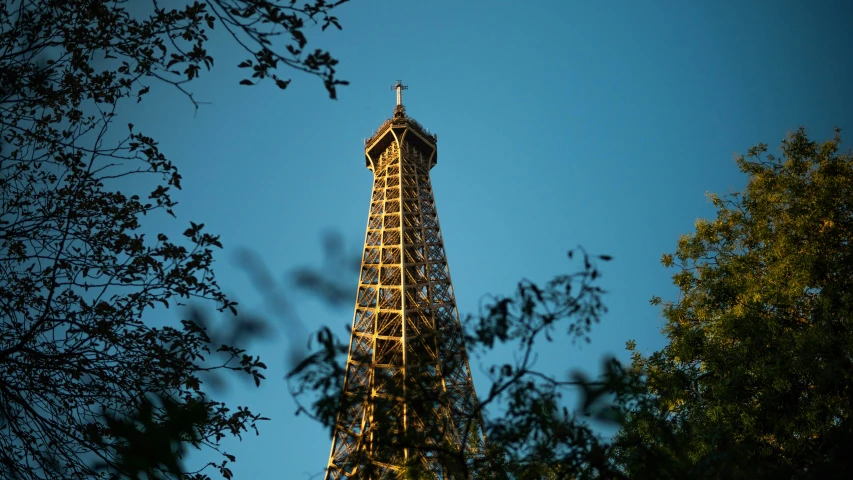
x,y
408,407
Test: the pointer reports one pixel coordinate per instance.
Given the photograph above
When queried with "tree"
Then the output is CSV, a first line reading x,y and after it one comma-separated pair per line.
x,y
89,389
755,381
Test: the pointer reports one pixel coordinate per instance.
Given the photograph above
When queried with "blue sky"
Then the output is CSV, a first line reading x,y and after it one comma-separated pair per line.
x,y
560,123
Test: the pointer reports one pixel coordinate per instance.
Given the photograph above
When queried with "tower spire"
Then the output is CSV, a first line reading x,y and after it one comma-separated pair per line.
x,y
400,87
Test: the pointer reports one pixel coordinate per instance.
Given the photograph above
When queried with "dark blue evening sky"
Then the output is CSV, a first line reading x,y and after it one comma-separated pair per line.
x,y
560,123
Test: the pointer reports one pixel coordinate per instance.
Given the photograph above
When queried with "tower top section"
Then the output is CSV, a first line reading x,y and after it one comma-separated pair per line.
x,y
400,128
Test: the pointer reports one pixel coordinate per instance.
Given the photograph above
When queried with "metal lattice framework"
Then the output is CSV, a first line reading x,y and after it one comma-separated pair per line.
x,y
408,402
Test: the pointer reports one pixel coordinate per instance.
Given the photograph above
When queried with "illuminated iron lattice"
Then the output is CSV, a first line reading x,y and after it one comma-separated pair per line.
x,y
408,402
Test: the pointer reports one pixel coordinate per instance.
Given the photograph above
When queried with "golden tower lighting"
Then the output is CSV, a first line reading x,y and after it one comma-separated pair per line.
x,y
408,406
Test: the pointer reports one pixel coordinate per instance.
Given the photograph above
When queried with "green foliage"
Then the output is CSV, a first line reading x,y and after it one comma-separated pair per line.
x,y
755,381
77,361
155,451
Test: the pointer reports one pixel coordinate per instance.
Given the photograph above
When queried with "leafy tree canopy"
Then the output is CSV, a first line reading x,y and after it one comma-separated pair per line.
x,y
756,379
88,389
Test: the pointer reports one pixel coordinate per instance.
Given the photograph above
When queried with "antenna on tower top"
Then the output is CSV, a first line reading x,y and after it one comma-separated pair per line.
x,y
400,87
